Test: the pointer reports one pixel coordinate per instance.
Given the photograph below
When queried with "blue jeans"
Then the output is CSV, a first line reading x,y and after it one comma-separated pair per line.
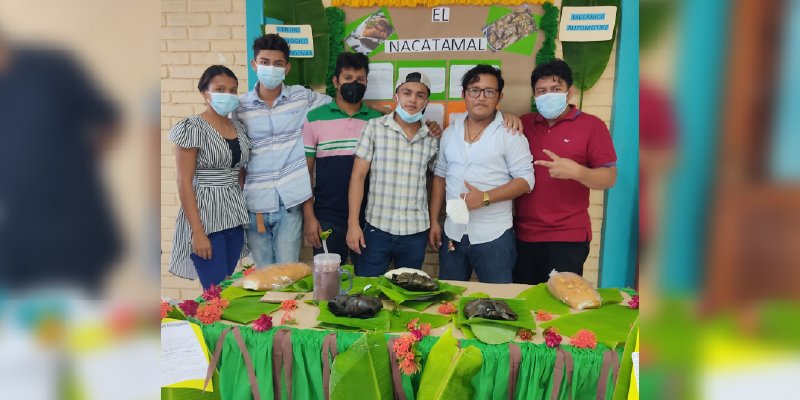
x,y
492,261
337,242
226,247
282,240
383,247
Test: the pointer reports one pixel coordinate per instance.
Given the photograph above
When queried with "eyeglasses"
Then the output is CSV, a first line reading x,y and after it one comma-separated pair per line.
x,y
488,92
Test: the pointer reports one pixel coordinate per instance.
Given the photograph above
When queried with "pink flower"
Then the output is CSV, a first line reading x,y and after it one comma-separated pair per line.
x,y
212,292
189,307
219,302
165,307
551,337
447,308
425,328
263,323
408,366
417,334
209,313
401,346
634,302
525,334
584,338
543,316
412,324
288,305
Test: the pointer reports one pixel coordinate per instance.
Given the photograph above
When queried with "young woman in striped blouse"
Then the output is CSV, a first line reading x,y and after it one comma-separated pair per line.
x,y
210,151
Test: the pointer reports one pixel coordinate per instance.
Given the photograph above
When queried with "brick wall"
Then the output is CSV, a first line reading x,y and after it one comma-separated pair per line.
x,y
199,33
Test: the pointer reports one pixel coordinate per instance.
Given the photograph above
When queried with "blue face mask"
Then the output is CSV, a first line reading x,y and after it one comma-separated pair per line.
x,y
224,103
269,76
406,117
551,105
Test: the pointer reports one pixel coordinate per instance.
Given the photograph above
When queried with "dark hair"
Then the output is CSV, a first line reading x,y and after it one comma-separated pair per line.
x,y
210,73
271,41
555,67
348,60
471,76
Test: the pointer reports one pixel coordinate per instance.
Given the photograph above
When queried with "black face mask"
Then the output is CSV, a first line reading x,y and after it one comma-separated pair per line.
x,y
353,92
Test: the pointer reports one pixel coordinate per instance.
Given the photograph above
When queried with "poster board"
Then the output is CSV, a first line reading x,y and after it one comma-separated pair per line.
x,y
516,59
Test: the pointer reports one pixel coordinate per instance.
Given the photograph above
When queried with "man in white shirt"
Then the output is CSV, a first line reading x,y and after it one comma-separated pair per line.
x,y
482,168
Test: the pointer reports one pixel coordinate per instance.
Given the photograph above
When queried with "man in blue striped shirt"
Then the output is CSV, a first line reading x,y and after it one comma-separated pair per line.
x,y
277,181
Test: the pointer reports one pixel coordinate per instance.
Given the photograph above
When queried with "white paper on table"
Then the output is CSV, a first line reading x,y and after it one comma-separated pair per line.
x,y
380,81
635,358
456,73
435,112
435,74
182,358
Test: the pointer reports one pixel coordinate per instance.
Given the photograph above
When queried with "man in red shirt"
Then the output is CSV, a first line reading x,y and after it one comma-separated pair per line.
x,y
574,153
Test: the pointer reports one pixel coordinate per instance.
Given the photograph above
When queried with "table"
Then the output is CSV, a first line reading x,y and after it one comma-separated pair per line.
x,y
575,372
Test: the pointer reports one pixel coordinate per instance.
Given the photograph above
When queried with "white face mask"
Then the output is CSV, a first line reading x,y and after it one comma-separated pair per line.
x,y
551,105
270,76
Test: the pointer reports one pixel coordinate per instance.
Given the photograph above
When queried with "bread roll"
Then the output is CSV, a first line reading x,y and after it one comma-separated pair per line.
x,y
573,290
275,276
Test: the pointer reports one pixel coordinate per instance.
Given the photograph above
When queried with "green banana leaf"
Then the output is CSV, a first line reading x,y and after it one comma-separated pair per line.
x,y
363,371
492,333
305,71
234,292
421,305
400,295
524,317
610,295
611,323
449,370
245,310
588,60
538,298
360,282
379,322
400,319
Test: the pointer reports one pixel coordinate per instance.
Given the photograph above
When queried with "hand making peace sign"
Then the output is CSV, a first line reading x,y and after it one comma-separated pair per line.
x,y
561,168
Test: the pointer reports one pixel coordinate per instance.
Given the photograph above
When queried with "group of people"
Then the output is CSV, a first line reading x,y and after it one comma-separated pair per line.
x,y
259,172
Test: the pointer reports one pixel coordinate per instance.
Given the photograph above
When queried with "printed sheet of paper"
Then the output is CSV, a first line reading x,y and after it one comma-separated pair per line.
x,y
182,357
457,72
380,81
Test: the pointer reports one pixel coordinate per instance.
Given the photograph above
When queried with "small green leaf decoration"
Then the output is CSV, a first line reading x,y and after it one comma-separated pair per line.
x,y
176,313
400,295
449,370
363,371
588,60
325,234
610,295
379,322
492,333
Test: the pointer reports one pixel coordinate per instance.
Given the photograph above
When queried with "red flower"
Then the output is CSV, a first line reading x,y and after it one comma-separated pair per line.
x,y
212,292
584,338
165,307
408,366
447,308
219,302
634,302
543,316
417,334
407,355
189,307
425,328
525,334
551,337
412,324
288,305
263,323
209,313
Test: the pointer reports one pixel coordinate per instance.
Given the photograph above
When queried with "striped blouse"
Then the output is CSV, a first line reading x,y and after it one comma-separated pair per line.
x,y
216,186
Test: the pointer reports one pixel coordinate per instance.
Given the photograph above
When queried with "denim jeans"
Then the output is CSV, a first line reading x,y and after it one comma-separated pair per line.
x,y
283,237
383,247
493,261
226,247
